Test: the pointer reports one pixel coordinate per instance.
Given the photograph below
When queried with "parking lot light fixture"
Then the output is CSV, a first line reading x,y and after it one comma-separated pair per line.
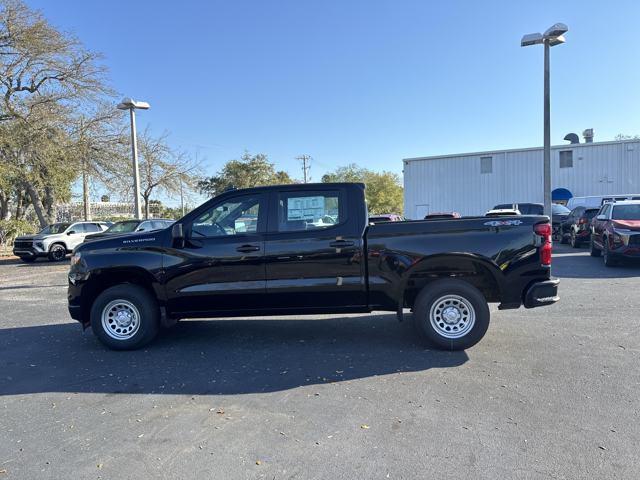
x,y
131,105
553,36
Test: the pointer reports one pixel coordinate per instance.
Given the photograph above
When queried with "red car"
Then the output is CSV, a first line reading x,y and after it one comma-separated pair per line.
x,y
615,232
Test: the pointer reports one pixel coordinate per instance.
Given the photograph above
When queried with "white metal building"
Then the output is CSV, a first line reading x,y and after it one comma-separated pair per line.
x,y
472,183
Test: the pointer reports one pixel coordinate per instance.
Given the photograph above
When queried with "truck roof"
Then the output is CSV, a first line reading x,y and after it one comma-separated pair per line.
x,y
296,186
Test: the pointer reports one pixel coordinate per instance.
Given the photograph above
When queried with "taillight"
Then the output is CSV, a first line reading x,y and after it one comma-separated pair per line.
x,y
544,230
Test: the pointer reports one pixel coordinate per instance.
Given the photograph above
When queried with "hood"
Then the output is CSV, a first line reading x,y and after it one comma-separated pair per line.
x,y
628,224
118,241
25,237
35,236
96,236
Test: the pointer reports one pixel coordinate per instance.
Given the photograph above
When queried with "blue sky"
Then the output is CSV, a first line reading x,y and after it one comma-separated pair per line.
x,y
369,82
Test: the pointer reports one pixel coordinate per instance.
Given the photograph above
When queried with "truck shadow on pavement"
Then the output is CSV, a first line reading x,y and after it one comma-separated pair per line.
x,y
216,357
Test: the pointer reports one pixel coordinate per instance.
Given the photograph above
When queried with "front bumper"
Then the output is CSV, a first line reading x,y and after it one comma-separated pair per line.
x,y
542,293
33,250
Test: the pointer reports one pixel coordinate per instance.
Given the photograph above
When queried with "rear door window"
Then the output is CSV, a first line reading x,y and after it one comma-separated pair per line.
x,y
301,211
92,227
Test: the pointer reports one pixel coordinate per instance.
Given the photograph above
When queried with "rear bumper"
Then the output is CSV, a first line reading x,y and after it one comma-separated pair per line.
x,y
542,293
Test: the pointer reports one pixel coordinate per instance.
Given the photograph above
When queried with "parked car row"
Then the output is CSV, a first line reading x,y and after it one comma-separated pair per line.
x,y
615,232
57,240
559,213
611,230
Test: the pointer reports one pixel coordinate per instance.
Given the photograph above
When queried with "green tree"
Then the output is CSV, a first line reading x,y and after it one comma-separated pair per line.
x,y
47,78
248,171
383,191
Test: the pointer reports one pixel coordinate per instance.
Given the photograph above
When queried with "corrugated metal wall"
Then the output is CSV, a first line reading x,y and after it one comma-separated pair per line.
x,y
454,183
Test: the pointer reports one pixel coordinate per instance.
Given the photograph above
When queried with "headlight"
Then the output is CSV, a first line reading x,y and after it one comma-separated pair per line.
x,y
75,258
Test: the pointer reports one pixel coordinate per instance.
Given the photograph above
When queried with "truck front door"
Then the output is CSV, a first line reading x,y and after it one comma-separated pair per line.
x,y
221,266
313,252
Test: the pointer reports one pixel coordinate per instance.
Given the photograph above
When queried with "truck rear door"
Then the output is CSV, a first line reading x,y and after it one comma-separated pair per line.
x,y
313,251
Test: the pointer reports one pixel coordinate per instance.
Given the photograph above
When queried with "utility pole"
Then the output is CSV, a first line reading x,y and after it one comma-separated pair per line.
x,y
306,166
86,205
132,105
553,36
181,198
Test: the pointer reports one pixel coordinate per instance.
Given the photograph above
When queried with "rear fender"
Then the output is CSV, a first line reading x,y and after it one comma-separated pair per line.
x,y
479,271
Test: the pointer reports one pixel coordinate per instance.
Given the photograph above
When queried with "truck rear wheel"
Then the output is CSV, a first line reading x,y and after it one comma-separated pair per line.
x,y
451,314
125,317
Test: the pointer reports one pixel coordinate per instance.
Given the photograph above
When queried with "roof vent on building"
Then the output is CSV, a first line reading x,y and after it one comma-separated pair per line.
x,y
572,137
588,135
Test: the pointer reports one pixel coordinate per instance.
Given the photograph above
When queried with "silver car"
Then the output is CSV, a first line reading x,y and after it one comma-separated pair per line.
x,y
55,241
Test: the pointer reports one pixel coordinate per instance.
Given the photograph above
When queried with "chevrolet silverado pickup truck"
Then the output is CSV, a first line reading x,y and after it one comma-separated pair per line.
x,y
308,249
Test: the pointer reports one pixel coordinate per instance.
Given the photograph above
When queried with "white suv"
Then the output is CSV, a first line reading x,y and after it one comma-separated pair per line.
x,y
55,241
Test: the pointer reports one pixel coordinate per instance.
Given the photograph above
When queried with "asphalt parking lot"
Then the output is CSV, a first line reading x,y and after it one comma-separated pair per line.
x,y
549,393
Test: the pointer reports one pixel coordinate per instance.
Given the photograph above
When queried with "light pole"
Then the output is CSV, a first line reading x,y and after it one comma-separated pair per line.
x,y
132,105
552,37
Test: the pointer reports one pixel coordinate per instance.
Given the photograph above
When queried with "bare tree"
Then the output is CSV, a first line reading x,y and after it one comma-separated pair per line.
x,y
163,169
100,149
41,67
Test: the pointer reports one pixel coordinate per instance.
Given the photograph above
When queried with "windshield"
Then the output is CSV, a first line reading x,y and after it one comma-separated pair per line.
x,y
558,209
55,228
123,227
590,213
626,212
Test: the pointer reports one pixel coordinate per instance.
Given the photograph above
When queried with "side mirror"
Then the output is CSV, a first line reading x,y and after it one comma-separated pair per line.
x,y
71,232
177,235
601,217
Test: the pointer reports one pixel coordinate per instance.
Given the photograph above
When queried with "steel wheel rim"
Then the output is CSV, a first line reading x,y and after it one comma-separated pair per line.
x,y
452,316
58,252
120,319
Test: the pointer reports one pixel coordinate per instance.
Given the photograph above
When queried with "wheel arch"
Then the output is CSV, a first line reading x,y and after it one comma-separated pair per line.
x,y
58,242
102,279
478,272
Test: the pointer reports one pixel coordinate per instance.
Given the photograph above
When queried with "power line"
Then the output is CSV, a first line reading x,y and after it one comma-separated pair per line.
x,y
306,166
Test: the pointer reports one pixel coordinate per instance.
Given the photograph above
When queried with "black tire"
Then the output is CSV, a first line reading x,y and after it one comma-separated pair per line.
x,y
28,259
57,252
563,239
606,255
594,251
432,296
574,241
144,303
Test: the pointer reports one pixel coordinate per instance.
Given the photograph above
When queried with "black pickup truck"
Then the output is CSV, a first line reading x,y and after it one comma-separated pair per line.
x,y
303,249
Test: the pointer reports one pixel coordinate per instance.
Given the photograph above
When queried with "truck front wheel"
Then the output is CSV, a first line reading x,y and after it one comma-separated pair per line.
x,y
125,317
451,314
